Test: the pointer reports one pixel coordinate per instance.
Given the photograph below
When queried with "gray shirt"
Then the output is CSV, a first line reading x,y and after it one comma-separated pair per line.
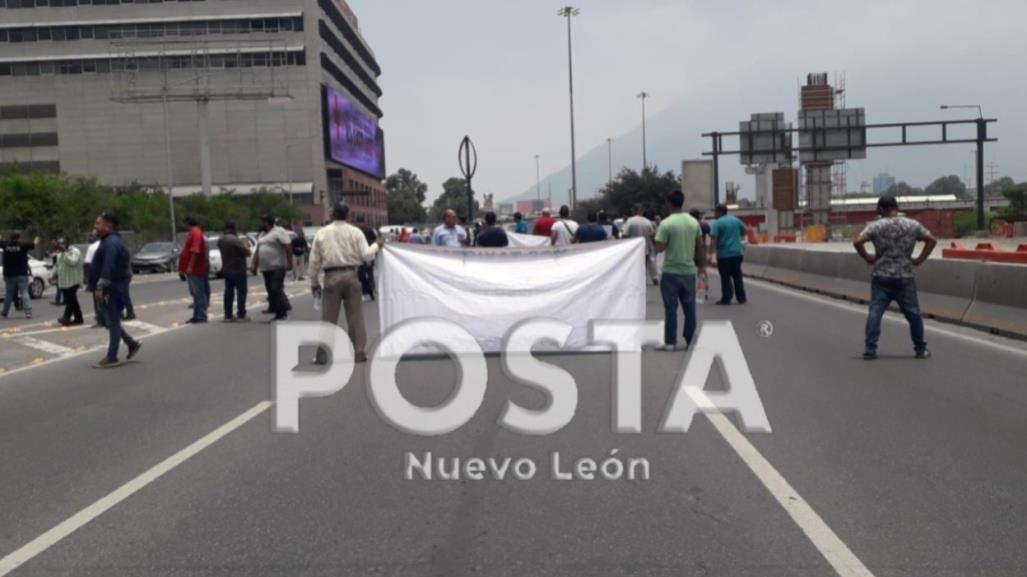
x,y
894,240
272,249
640,227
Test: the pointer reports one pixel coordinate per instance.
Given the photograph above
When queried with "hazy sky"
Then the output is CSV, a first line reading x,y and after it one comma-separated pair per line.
x,y
497,70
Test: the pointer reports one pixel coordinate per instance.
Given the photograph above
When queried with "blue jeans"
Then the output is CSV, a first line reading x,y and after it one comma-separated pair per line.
x,y
199,289
130,311
235,286
110,310
903,291
677,288
15,286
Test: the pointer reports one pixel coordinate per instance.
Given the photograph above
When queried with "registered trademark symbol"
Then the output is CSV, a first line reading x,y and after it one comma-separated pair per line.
x,y
766,329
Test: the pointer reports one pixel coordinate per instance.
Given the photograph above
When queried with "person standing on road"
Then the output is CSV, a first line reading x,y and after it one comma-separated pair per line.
x,y
520,225
67,274
366,271
544,226
274,258
192,268
563,230
591,231
17,273
339,250
727,233
680,237
611,228
894,238
492,236
94,245
108,280
638,226
416,238
449,233
234,256
299,253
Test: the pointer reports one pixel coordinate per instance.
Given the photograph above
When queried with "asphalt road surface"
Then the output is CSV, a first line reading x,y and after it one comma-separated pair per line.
x,y
169,466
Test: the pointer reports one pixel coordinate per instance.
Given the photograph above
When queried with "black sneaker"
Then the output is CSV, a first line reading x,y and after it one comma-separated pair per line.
x,y
196,322
869,355
133,349
129,318
923,355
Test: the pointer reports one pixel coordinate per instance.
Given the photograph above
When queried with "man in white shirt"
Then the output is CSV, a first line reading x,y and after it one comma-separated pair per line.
x,y
449,233
87,264
339,250
563,229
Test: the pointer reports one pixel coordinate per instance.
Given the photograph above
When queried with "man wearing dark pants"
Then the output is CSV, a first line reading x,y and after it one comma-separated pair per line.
x,y
17,273
109,276
339,250
192,267
234,254
894,238
67,273
273,260
727,233
680,236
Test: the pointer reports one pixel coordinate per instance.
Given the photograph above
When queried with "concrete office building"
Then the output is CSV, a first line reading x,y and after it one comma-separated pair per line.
x,y
85,84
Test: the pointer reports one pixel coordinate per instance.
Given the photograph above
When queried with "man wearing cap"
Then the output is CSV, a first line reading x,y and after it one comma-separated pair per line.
x,y
894,238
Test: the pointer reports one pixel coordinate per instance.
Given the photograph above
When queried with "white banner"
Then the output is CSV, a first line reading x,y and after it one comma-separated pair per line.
x,y
489,291
518,240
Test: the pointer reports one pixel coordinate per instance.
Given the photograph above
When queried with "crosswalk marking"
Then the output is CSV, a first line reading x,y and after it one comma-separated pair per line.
x,y
150,328
46,346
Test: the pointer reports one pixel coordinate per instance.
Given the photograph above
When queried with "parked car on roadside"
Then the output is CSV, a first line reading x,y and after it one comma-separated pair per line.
x,y
155,257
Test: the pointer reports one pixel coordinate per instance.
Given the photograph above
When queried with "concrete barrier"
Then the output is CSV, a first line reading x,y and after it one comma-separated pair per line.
x,y
1000,299
986,295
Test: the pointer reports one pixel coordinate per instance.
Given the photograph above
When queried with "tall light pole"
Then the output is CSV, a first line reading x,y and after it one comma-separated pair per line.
x,y
982,131
569,12
645,161
538,178
609,153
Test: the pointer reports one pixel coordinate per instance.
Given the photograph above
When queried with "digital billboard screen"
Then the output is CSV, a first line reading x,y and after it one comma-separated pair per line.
x,y
353,138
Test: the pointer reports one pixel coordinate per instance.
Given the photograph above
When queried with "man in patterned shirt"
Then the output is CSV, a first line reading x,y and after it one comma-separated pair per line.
x,y
894,238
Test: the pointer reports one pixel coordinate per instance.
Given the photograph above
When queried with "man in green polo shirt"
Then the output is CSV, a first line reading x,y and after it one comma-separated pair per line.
x,y
680,237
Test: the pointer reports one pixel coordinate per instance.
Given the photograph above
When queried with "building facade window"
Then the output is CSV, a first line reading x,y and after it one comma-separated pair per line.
x,y
105,65
151,30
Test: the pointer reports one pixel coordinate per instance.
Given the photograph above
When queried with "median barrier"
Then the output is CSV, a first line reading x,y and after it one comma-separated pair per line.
x,y
785,266
946,288
1000,299
755,263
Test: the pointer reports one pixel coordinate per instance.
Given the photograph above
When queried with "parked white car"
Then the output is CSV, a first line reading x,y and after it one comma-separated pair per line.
x,y
39,280
214,253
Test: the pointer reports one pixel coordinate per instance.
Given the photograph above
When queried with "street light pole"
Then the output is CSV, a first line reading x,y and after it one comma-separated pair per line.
x,y
645,161
569,12
609,153
538,178
982,136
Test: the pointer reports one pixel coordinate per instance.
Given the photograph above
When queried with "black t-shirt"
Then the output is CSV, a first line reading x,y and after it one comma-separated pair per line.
x,y
493,237
16,259
299,245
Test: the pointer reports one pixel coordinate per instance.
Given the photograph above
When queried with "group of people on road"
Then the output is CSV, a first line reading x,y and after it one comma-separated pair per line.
x,y
342,255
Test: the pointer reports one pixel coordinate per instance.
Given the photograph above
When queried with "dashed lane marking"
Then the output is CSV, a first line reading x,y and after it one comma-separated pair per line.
x,y
46,347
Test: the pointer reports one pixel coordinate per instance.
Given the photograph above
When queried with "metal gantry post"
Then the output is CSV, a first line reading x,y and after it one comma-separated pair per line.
x,y
982,136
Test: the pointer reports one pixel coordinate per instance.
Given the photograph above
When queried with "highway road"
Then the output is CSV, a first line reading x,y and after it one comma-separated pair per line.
x,y
168,466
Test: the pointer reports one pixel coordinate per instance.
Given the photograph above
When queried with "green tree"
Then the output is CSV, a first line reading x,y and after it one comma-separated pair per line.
x,y
406,195
998,187
904,189
453,197
648,188
947,185
1017,196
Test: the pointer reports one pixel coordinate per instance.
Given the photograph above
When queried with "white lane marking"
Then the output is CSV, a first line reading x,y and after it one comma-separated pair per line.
x,y
890,317
143,326
830,546
4,373
76,521
47,347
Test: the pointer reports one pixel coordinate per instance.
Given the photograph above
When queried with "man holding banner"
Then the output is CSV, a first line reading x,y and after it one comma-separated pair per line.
x,y
339,250
680,237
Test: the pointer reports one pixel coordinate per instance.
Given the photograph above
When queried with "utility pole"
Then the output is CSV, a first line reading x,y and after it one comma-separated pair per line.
x,y
609,153
645,161
569,12
538,178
